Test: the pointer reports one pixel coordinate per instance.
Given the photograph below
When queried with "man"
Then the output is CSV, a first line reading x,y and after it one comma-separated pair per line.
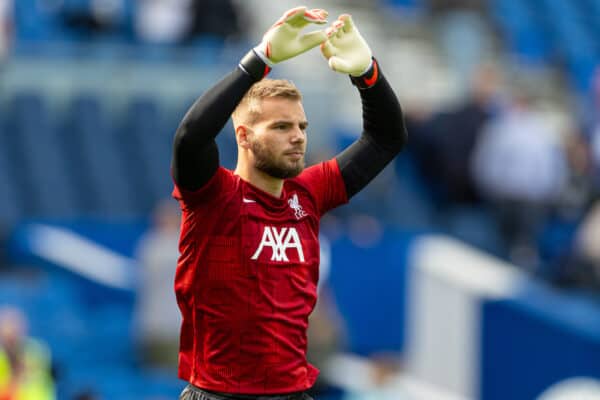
x,y
247,274
25,365
157,319
6,30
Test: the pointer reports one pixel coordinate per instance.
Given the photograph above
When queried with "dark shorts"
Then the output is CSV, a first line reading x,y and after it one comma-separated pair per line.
x,y
192,392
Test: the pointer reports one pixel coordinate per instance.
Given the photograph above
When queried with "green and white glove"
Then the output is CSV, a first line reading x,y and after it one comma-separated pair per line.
x,y
345,49
284,39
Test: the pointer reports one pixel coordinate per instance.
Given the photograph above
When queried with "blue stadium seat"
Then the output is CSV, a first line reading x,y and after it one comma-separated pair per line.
x,y
209,50
154,53
147,140
549,30
37,21
403,8
93,156
477,227
404,3
227,146
410,198
580,70
593,11
522,30
49,191
16,292
77,6
10,202
10,209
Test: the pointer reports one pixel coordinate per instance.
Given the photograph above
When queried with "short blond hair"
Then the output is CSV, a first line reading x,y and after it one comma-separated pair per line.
x,y
248,110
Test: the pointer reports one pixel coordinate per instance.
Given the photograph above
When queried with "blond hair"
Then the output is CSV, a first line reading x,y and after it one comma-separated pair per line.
x,y
248,110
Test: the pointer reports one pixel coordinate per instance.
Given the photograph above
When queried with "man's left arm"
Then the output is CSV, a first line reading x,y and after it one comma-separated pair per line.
x,y
384,132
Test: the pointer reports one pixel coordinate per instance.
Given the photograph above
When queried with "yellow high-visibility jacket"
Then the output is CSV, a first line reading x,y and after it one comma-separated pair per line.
x,y
36,383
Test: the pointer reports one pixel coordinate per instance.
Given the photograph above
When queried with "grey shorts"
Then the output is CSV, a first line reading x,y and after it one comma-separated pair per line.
x,y
192,392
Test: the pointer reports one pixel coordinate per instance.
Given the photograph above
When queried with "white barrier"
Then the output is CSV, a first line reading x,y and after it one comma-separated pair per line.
x,y
448,280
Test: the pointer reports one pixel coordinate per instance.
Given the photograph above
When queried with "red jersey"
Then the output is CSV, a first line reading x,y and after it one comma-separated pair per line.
x,y
246,280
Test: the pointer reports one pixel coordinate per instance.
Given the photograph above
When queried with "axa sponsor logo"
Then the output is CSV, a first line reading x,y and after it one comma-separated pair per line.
x,y
280,240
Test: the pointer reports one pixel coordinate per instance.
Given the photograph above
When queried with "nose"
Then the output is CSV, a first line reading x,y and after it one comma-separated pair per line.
x,y
298,136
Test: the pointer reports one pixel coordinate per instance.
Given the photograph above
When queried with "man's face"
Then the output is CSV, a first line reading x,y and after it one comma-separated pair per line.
x,y
278,138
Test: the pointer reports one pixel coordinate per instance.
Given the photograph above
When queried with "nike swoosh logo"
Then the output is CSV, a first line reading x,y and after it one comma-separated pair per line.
x,y
245,200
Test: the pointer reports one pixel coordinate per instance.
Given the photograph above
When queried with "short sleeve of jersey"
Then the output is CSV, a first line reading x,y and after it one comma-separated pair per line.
x,y
325,182
221,183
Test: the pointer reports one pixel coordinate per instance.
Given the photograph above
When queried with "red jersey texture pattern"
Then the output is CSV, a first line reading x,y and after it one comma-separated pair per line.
x,y
246,280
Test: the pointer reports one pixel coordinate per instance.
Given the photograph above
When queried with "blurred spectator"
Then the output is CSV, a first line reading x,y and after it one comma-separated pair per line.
x,y
595,129
179,21
557,240
463,35
581,266
6,26
579,189
25,368
163,21
97,16
215,17
158,317
519,165
443,143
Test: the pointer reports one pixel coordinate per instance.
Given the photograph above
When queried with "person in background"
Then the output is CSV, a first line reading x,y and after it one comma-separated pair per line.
x,y
519,165
6,30
463,35
446,140
25,365
163,21
157,316
579,262
218,18
93,18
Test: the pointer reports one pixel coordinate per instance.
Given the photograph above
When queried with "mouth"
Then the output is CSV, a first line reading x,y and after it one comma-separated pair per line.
x,y
295,154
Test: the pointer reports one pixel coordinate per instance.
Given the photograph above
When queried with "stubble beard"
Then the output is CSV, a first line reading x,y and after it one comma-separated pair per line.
x,y
265,162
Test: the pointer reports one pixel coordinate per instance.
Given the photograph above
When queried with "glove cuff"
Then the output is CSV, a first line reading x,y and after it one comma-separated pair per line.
x,y
254,65
369,78
263,56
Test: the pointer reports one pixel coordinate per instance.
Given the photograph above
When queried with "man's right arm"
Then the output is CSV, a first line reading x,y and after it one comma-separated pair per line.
x,y
195,154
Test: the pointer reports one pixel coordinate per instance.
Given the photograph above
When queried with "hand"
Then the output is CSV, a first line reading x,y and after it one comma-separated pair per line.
x,y
345,49
284,40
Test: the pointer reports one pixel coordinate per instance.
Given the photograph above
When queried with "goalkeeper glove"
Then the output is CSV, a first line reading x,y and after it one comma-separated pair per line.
x,y
345,49
284,40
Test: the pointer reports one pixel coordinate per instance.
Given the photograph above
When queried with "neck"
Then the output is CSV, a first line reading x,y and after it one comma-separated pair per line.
x,y
261,180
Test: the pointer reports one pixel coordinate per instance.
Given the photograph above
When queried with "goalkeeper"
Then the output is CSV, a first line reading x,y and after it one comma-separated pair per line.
x,y
247,274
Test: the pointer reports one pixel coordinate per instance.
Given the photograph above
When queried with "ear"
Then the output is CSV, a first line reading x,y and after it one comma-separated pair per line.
x,y
241,136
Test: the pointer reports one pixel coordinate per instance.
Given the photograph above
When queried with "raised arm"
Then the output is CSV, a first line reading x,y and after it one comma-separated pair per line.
x,y
383,136
384,132
195,154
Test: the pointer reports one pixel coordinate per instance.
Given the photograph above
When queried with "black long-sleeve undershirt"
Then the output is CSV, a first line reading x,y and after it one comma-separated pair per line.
x,y
195,153
383,136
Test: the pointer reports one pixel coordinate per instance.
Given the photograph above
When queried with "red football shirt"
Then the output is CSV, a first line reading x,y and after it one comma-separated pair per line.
x,y
246,280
